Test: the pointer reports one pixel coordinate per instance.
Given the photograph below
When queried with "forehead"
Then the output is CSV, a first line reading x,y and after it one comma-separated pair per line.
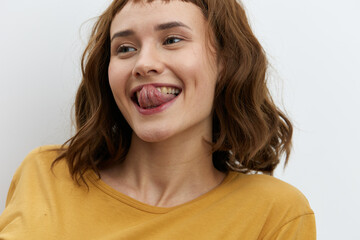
x,y
139,13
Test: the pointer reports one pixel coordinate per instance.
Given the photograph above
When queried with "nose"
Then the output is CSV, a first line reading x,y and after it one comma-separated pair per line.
x,y
148,63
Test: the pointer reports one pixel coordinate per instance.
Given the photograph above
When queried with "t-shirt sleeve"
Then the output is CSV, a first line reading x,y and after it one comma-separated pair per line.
x,y
11,189
16,178
24,191
5,217
300,228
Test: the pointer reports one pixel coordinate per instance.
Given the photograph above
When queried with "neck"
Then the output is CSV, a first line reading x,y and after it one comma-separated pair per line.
x,y
168,173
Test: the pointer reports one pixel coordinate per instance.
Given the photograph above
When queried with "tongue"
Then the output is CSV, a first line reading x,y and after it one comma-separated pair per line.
x,y
150,97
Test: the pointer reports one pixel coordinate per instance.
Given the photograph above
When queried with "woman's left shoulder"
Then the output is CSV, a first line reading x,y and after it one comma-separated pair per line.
x,y
272,191
283,208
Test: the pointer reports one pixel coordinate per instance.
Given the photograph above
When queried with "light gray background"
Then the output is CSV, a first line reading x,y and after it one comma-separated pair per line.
x,y
312,45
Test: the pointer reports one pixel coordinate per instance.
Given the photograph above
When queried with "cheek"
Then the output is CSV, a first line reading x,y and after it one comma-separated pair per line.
x,y
199,72
113,73
207,74
206,83
112,76
117,79
117,84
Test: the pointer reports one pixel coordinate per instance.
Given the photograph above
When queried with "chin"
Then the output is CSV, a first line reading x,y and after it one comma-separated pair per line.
x,y
154,135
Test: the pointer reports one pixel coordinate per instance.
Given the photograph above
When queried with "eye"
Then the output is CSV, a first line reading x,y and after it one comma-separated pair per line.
x,y
125,49
172,40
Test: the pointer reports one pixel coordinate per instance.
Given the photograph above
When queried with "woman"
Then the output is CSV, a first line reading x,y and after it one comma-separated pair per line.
x,y
172,112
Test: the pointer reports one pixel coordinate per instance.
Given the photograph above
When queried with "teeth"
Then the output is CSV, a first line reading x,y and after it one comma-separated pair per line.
x,y
169,90
164,90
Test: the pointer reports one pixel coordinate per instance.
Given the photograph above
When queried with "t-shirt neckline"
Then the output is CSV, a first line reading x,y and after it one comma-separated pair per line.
x,y
119,196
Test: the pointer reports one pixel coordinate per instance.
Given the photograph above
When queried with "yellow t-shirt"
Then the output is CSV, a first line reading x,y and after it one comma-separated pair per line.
x,y
42,204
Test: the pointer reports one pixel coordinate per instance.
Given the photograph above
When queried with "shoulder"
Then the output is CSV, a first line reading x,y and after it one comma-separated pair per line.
x,y
275,194
269,186
41,156
37,174
38,163
280,206
36,190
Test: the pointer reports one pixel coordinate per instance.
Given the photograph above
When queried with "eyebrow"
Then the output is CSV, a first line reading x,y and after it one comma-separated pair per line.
x,y
169,25
159,27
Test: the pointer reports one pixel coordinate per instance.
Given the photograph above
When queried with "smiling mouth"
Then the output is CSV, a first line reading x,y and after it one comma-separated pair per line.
x,y
149,96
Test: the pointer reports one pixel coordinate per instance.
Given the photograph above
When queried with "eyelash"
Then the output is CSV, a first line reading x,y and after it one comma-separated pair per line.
x,y
121,48
172,38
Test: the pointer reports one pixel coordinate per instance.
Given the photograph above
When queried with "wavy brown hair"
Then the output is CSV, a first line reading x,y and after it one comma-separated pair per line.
x,y
249,132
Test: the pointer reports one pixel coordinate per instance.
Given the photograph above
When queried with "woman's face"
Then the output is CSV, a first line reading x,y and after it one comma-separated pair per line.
x,y
162,69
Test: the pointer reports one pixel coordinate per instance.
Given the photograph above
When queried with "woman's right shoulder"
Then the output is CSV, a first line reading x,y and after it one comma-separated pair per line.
x,y
43,155
37,169
35,188
39,161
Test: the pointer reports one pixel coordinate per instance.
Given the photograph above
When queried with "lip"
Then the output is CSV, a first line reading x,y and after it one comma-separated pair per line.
x,y
162,107
134,90
158,109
